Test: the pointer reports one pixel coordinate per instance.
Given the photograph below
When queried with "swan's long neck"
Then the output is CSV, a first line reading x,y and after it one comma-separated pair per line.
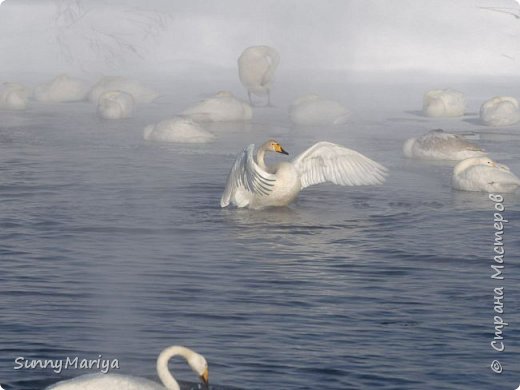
x,y
162,365
260,155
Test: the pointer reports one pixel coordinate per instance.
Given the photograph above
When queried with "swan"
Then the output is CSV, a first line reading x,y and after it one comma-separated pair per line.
x,y
255,185
139,92
178,129
223,107
444,103
13,96
440,145
500,111
256,67
115,105
61,89
125,382
313,110
483,174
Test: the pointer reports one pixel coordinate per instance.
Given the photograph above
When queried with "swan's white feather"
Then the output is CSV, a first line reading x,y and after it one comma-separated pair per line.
x,y
246,180
328,162
105,382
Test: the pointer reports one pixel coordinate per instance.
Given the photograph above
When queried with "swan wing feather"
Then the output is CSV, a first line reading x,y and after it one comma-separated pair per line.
x,y
328,162
246,180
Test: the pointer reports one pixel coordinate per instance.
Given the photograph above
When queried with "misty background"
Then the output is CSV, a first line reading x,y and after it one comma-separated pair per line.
x,y
429,37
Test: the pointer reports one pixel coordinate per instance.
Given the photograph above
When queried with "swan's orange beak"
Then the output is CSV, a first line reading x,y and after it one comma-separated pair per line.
x,y
205,377
278,149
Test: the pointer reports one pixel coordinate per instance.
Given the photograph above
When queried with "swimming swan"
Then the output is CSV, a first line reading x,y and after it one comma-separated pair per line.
x,y
500,111
483,174
223,107
125,382
313,110
256,67
253,184
440,145
444,103
115,105
13,96
62,89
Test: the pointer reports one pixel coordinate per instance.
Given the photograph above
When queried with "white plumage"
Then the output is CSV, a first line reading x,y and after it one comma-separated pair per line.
x,y
444,103
13,96
440,145
223,107
115,105
256,68
500,111
483,174
196,362
178,129
61,89
313,110
253,184
139,92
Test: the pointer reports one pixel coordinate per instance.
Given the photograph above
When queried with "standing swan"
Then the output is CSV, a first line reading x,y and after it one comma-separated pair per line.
x,y
256,67
485,175
255,185
124,382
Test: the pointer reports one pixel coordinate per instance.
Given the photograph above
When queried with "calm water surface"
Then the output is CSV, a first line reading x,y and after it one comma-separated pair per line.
x,y
114,246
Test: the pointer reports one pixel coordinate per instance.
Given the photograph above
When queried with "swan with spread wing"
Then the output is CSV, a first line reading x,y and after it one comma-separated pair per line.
x,y
251,183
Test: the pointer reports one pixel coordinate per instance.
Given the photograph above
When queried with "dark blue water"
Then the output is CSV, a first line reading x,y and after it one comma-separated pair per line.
x,y
114,246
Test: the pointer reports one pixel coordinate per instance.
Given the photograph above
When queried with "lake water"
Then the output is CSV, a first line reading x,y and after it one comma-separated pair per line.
x,y
115,246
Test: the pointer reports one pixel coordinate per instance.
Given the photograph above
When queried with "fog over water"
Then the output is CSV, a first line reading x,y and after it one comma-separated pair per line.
x,y
116,245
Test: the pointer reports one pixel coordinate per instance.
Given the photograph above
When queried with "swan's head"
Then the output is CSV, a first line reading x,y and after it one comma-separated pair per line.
x,y
199,365
470,162
274,146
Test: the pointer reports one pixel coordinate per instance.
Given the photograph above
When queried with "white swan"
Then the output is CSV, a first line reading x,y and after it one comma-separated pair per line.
x,y
223,107
139,92
256,67
500,111
125,382
313,110
483,174
440,145
61,89
253,184
183,130
444,103
13,96
115,105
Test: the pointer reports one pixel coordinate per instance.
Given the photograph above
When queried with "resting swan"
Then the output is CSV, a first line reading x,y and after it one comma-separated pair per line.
x,y
223,107
483,174
13,96
115,105
256,67
313,110
444,103
255,185
124,382
62,89
500,111
440,145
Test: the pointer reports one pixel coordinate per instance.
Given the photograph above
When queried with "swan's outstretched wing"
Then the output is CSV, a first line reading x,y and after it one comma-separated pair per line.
x,y
246,180
326,161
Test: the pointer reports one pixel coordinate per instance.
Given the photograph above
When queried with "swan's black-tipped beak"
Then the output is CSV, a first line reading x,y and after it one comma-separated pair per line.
x,y
205,377
278,148
282,150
